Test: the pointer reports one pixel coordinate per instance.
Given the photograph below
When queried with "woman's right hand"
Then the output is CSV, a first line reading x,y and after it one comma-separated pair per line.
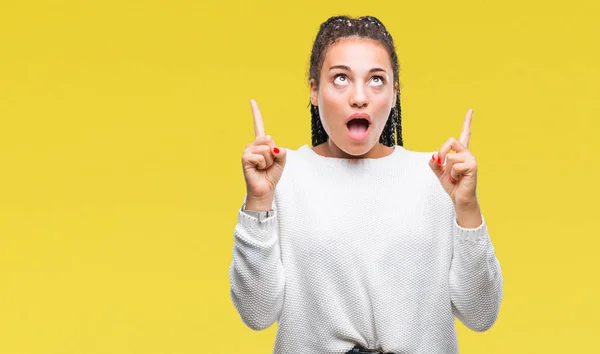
x,y
263,164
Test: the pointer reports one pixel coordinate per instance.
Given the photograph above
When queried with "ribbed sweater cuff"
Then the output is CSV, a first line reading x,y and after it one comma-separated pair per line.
x,y
264,231
474,234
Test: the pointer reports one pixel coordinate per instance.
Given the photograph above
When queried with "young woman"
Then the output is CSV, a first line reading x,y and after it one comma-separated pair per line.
x,y
356,244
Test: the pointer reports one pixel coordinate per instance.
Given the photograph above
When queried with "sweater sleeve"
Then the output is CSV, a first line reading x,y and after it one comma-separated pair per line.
x,y
256,272
476,283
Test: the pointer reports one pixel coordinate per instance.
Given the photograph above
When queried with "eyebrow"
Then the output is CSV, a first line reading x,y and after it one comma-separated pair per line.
x,y
344,67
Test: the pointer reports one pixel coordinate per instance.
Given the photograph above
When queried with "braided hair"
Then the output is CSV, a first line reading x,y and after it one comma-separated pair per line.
x,y
331,31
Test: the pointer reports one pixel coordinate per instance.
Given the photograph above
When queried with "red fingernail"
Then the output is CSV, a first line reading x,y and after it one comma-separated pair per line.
x,y
276,150
450,179
433,157
439,161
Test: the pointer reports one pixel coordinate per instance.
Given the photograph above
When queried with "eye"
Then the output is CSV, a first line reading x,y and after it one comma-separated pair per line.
x,y
377,80
340,79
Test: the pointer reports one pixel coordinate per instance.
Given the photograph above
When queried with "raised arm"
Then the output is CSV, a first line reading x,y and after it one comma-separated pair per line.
x,y
256,273
476,283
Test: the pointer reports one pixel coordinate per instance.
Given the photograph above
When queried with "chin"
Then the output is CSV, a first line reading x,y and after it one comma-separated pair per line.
x,y
357,148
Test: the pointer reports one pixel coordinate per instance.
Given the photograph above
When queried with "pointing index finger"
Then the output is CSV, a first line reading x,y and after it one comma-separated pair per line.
x,y
259,127
465,134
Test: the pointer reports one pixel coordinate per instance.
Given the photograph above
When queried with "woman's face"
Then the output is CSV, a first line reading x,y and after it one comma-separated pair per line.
x,y
355,94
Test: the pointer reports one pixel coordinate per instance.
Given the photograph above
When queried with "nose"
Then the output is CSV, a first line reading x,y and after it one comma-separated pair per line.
x,y
358,97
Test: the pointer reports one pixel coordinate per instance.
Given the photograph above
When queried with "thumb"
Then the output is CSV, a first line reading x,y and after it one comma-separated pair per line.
x,y
279,155
437,168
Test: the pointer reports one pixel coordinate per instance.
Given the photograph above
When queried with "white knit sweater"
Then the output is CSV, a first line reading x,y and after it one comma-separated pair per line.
x,y
364,252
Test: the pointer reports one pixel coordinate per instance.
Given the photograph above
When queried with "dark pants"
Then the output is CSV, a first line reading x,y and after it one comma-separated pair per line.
x,y
361,350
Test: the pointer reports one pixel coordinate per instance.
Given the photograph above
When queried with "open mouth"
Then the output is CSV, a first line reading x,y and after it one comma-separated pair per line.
x,y
358,128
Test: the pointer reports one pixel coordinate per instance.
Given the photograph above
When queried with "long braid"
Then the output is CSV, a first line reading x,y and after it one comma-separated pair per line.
x,y
332,30
319,135
399,140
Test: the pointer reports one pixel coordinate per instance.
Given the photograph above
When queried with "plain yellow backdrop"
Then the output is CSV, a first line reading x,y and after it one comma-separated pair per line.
x,y
122,125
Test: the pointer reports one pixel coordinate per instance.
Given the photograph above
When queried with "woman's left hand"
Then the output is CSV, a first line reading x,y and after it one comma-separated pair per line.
x,y
458,175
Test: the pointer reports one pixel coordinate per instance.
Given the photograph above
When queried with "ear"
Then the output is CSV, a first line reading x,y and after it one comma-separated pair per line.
x,y
314,93
396,88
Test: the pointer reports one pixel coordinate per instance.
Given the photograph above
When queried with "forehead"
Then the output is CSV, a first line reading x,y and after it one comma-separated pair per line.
x,y
357,53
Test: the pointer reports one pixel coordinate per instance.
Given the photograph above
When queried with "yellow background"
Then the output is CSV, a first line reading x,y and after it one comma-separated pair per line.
x,y
123,124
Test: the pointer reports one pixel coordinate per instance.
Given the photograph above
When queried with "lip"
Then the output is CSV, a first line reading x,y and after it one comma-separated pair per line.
x,y
360,116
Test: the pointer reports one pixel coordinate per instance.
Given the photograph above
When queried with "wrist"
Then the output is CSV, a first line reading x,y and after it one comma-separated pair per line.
x,y
264,203
468,216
